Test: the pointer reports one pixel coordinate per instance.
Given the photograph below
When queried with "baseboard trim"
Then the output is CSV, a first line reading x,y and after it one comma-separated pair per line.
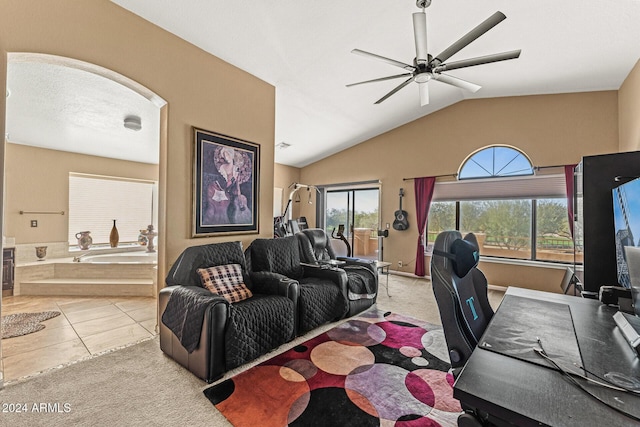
x,y
407,274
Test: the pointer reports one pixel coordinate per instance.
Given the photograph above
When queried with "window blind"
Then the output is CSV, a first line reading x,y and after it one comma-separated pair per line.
x,y
529,187
95,201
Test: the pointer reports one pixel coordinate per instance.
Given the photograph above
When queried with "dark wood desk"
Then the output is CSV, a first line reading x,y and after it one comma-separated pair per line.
x,y
526,394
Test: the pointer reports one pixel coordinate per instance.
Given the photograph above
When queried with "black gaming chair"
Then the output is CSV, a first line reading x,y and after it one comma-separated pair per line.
x,y
461,293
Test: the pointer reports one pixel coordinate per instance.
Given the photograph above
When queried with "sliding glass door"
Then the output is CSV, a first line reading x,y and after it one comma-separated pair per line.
x,y
357,211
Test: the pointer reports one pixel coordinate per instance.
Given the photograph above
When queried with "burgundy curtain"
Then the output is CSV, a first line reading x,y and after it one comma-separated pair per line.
x,y
568,177
424,192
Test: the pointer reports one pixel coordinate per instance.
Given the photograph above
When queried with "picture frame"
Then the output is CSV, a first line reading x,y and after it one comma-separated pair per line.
x,y
226,174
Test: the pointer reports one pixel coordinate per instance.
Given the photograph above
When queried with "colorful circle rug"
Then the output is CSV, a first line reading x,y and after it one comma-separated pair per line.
x,y
377,369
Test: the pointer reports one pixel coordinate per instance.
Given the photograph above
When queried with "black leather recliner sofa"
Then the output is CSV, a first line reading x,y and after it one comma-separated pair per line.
x,y
210,335
323,289
362,275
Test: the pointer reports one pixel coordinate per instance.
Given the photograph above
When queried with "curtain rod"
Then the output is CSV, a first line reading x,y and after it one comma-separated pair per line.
x,y
455,174
437,176
349,184
548,167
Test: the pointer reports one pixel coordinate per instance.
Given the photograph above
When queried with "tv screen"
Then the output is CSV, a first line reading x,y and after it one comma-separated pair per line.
x,y
633,262
626,217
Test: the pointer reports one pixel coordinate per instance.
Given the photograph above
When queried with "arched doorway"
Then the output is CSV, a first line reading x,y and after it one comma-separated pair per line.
x,y
62,108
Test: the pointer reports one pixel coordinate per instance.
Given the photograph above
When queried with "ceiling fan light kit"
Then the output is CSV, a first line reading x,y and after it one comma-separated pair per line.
x,y
426,67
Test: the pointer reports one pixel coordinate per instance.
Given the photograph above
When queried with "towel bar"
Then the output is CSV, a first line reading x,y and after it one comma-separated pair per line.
x,y
42,212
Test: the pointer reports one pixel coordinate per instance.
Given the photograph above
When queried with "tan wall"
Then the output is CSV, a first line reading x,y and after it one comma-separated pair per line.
x,y
3,104
629,111
201,90
551,129
543,279
37,179
3,100
283,177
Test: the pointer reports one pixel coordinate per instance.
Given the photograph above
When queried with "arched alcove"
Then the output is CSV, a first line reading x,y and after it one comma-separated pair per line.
x,y
88,112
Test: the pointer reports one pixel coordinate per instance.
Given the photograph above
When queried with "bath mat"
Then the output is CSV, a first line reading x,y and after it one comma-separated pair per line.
x,y
375,369
15,325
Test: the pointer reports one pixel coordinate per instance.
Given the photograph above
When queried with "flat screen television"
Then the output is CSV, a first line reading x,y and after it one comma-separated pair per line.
x,y
626,217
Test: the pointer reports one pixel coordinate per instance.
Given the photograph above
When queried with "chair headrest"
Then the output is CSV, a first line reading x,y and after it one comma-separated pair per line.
x,y
463,253
317,236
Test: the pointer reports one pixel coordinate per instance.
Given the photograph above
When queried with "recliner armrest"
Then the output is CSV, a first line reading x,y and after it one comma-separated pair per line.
x,y
266,282
350,259
208,360
323,271
337,275
369,264
188,304
166,292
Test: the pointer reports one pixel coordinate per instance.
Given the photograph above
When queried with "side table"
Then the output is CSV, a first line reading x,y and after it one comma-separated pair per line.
x,y
383,268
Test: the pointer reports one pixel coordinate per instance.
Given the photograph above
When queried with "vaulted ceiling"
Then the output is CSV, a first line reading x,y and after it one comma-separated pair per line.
x,y
303,48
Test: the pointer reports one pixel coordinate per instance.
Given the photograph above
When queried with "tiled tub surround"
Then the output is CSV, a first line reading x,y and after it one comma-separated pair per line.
x,y
26,252
93,276
121,258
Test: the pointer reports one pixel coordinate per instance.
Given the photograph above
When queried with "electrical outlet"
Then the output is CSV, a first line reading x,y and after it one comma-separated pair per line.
x,y
400,264
34,222
388,226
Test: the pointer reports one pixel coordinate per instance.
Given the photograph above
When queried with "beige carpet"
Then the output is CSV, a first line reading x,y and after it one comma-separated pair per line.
x,y
135,386
139,386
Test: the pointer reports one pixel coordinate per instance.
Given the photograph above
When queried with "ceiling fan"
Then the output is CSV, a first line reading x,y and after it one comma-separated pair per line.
x,y
427,67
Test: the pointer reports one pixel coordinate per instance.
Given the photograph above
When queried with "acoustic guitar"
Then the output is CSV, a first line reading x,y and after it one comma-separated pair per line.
x,y
400,222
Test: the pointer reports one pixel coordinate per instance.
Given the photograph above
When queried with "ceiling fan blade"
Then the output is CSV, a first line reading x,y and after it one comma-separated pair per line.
x,y
478,61
397,88
455,81
381,79
485,26
424,94
420,35
382,58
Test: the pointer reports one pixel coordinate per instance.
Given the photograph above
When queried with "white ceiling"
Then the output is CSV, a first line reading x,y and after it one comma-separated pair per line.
x,y
303,49
68,105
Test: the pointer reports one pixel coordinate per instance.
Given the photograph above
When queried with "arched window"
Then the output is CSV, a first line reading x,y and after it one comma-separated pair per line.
x,y
495,161
515,213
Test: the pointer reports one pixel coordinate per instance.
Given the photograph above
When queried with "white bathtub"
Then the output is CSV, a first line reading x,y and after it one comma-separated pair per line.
x,y
107,274
122,258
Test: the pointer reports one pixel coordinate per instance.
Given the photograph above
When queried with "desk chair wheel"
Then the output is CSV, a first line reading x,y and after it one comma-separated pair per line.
x,y
468,420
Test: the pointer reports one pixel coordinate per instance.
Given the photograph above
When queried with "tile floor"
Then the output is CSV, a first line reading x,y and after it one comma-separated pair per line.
x,y
86,326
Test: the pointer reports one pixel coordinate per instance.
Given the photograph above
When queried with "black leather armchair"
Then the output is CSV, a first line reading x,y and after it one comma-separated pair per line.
x,y
230,334
362,275
323,289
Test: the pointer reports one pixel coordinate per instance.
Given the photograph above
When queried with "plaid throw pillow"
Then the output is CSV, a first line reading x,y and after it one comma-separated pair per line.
x,y
226,281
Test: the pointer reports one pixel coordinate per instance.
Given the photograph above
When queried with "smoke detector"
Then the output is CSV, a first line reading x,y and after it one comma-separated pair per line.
x,y
133,123
282,145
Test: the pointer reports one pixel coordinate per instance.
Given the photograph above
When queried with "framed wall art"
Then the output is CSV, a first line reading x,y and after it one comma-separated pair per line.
x,y
225,184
